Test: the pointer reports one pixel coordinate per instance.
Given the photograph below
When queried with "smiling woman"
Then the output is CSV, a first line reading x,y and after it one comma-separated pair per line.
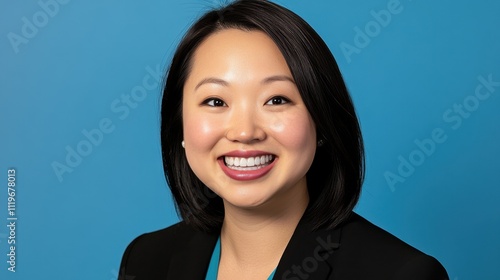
x,y
249,109
263,154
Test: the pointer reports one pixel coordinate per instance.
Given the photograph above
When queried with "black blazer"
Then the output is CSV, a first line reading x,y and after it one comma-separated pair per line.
x,y
356,250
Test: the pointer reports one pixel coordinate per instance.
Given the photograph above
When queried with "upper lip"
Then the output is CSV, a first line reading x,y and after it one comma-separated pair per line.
x,y
245,154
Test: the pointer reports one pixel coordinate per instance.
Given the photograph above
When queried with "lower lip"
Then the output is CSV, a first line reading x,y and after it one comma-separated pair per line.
x,y
245,175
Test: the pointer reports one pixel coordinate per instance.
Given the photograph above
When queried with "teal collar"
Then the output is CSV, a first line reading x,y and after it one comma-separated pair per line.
x,y
213,267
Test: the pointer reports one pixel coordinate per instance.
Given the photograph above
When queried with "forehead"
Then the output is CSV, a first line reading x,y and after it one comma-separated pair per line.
x,y
240,52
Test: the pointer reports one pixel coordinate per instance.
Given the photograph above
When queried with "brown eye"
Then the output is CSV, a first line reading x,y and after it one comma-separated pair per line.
x,y
277,100
214,102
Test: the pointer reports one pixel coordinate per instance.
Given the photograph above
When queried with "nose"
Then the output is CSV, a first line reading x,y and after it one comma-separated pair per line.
x,y
244,126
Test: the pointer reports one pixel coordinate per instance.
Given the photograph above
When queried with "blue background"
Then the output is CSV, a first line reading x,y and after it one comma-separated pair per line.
x,y
69,74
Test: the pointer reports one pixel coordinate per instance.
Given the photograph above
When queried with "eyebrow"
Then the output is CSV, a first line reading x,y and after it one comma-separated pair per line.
x,y
221,82
211,81
278,78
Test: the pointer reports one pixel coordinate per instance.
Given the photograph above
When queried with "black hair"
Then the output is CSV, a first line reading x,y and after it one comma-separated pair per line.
x,y
335,177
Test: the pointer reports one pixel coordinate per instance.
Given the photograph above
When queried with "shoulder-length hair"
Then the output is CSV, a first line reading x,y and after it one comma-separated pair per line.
x,y
336,174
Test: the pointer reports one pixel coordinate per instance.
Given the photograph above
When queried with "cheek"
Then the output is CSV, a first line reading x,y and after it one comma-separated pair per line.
x,y
200,136
295,131
199,133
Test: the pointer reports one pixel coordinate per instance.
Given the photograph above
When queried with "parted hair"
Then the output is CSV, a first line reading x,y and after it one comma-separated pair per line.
x,y
335,177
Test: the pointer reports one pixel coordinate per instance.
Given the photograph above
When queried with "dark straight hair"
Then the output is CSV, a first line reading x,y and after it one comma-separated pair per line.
x,y
336,174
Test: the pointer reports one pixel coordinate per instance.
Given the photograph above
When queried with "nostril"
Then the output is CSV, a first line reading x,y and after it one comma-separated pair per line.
x,y
243,135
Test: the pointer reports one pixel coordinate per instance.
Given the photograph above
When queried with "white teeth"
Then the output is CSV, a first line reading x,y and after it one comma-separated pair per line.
x,y
251,163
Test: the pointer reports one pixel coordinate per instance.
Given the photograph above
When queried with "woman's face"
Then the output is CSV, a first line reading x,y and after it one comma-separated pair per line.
x,y
248,135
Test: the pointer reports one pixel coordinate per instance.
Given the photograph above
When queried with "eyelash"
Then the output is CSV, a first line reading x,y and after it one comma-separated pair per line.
x,y
282,99
212,101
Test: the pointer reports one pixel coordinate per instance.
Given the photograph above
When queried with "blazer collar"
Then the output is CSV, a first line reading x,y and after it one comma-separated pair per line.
x,y
308,255
192,263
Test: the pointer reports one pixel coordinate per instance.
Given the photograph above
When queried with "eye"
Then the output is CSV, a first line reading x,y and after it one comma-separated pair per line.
x,y
214,102
277,100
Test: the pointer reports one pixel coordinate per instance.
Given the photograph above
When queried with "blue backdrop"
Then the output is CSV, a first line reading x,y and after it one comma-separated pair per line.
x,y
79,124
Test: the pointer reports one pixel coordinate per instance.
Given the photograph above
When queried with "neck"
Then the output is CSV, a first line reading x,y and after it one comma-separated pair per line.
x,y
258,236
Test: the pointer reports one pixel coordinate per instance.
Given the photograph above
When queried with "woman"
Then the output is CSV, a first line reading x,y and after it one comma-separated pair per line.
x,y
263,154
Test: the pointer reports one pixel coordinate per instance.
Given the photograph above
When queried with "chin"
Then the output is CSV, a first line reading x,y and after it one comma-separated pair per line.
x,y
247,202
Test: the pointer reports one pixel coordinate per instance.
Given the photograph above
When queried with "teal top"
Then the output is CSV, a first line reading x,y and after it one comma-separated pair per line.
x,y
213,267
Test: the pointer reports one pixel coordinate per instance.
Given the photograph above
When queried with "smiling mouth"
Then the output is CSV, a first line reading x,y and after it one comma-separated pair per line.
x,y
248,163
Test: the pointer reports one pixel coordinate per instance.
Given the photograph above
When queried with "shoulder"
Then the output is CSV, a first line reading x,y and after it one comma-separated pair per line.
x,y
155,243
152,251
379,253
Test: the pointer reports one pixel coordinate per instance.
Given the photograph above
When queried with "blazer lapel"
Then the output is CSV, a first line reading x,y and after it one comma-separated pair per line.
x,y
309,254
192,263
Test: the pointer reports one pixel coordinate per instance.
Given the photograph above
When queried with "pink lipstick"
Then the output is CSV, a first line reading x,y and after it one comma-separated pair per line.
x,y
246,165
